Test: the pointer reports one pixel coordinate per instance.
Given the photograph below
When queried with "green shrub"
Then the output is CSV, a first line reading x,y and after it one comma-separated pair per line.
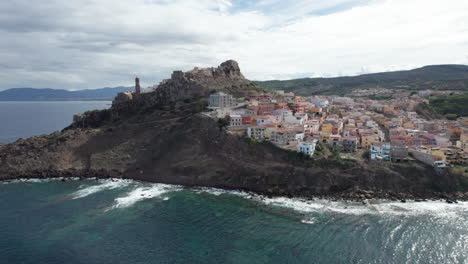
x,y
451,116
223,122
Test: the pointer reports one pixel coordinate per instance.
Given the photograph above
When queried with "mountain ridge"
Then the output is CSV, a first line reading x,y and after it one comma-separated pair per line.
x,y
439,77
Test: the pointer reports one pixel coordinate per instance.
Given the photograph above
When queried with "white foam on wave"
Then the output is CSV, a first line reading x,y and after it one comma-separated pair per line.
x,y
217,191
37,180
146,192
429,207
309,221
375,206
103,185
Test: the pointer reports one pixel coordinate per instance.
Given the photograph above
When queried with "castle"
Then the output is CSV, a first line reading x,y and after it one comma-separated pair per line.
x,y
128,95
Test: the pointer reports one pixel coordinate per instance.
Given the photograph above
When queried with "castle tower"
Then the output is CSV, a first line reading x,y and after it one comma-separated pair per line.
x,y
137,85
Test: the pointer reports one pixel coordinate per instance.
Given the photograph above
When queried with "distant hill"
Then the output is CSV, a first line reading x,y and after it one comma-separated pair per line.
x,y
46,94
439,77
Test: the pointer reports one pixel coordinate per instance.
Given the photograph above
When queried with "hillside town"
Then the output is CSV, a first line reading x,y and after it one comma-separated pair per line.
x,y
357,126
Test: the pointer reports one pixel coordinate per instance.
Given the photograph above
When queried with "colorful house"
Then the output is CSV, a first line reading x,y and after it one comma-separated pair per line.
x,y
380,151
307,148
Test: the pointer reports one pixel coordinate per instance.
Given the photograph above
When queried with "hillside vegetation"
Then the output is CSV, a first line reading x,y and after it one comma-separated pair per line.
x,y
450,105
438,77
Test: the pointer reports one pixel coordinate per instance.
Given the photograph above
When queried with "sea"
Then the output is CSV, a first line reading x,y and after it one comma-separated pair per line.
x,y
20,119
124,221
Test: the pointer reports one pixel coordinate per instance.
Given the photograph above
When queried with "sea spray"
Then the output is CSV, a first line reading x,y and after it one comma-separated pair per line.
x,y
154,190
375,206
103,185
37,180
142,191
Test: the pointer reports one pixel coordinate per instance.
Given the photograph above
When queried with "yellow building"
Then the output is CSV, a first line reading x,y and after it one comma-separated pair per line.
x,y
282,104
388,109
325,137
464,135
438,153
463,142
462,145
327,128
409,125
368,139
299,99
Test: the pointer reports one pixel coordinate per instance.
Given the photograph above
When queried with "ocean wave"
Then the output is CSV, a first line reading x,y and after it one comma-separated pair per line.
x,y
218,191
309,221
103,185
36,180
142,193
374,206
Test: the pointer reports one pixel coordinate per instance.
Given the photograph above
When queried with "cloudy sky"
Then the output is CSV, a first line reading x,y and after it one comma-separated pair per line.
x,y
76,44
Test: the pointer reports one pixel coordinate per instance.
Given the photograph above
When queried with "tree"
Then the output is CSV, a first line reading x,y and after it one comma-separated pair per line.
x,y
451,116
223,122
455,136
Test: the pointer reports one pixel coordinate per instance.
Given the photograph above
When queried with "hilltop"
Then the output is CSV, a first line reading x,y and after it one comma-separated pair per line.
x,y
438,77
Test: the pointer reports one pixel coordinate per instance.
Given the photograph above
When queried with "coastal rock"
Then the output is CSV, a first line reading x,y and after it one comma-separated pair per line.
x,y
193,151
201,82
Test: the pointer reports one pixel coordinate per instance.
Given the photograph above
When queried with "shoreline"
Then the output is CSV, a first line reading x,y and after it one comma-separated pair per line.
x,y
356,195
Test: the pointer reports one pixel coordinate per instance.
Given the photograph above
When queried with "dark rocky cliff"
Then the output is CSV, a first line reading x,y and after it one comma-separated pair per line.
x,y
201,82
173,143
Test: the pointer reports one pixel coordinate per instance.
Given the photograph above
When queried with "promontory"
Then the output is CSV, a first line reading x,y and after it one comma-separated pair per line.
x,y
202,128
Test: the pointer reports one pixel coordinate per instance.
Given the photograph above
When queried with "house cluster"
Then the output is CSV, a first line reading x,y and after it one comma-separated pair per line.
x,y
399,93
389,130
435,142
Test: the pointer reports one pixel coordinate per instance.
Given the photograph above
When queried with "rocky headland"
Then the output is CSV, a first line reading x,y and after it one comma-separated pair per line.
x,y
161,136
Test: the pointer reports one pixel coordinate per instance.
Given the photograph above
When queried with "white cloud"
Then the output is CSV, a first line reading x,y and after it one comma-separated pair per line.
x,y
86,44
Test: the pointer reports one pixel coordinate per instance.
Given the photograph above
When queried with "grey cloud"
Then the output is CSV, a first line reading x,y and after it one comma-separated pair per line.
x,y
76,44
51,36
105,42
27,16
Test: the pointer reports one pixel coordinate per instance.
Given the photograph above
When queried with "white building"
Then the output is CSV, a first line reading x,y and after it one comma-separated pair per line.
x,y
319,102
443,140
286,137
282,113
221,100
343,100
380,151
307,148
371,124
256,132
312,126
295,119
235,121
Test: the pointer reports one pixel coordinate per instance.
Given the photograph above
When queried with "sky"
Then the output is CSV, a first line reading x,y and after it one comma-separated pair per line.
x,y
79,44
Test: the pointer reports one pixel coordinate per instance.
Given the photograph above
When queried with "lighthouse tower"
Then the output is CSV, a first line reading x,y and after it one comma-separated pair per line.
x,y
137,85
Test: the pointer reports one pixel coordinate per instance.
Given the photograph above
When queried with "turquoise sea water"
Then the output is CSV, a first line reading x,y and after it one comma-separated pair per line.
x,y
104,221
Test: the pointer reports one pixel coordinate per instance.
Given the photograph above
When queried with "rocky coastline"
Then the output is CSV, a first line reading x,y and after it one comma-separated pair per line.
x,y
161,137
356,195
